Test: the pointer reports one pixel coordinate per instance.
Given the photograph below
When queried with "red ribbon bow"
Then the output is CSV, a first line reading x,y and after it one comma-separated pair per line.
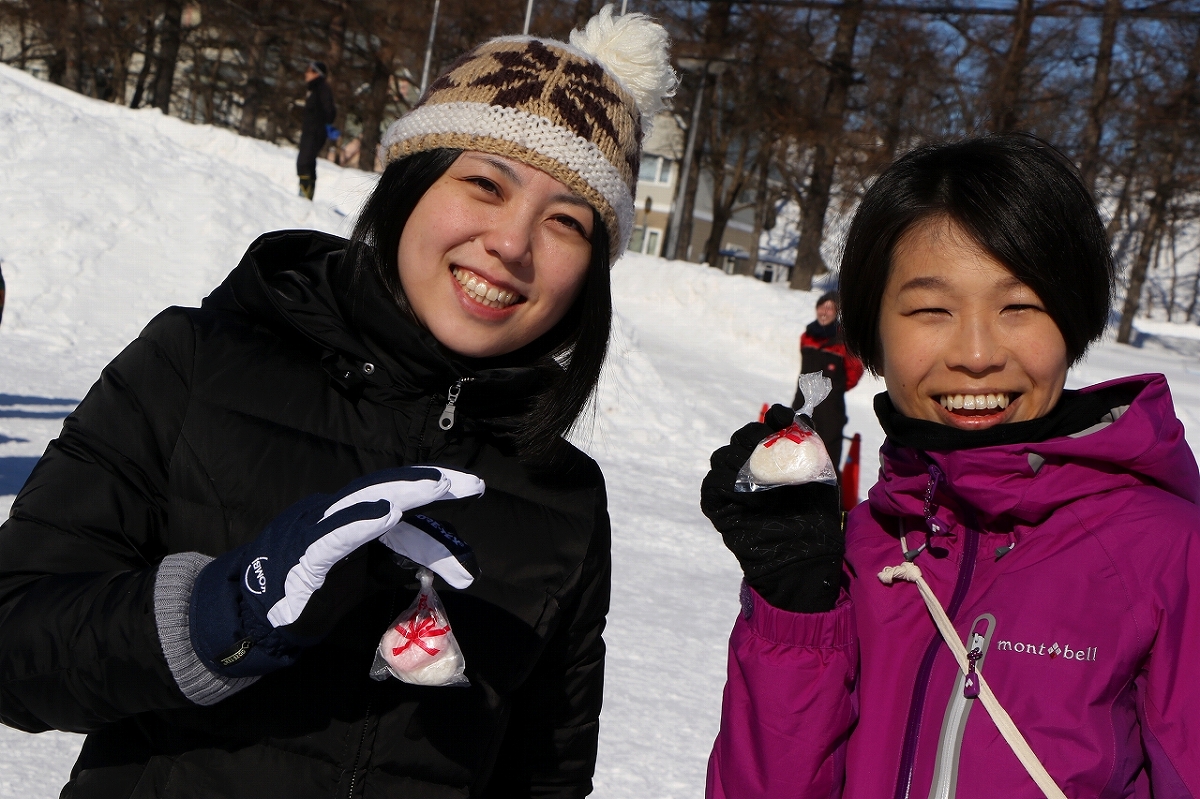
x,y
793,433
414,631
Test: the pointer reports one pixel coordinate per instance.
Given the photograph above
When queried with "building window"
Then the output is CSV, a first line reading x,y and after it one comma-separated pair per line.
x,y
645,240
656,169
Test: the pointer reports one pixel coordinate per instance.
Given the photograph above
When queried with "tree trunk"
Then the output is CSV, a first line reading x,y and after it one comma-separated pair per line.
x,y
253,90
1164,188
762,206
714,46
1191,309
72,76
172,35
120,76
1171,293
374,108
683,245
1089,153
723,201
1008,87
1141,264
820,182
337,37
139,91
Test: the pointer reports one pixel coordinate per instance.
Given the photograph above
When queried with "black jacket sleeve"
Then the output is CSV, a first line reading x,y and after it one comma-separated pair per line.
x,y
549,747
78,643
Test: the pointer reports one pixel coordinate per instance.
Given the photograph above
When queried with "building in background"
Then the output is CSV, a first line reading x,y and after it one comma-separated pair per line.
x,y
658,184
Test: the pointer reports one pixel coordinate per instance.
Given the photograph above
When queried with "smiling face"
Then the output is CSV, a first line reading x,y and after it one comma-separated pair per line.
x,y
826,312
494,255
964,343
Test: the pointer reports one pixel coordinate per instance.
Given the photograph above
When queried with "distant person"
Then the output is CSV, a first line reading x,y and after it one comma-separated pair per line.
x,y
823,349
319,113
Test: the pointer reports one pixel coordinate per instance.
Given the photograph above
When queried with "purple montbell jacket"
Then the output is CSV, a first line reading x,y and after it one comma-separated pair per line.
x,y
1089,629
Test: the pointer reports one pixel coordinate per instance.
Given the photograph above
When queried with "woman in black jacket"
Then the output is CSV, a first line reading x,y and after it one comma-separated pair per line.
x,y
142,590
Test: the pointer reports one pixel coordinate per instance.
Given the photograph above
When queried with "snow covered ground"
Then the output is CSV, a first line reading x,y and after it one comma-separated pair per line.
x,y
109,215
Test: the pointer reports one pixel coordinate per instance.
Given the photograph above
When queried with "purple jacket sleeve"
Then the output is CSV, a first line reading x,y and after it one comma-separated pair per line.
x,y
789,703
1168,691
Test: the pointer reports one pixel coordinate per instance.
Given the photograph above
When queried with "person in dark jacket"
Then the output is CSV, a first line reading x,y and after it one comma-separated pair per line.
x,y
823,349
319,113
325,391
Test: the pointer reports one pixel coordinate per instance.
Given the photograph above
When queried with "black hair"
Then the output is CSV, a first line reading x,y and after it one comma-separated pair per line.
x,y
1018,198
829,296
571,353
319,66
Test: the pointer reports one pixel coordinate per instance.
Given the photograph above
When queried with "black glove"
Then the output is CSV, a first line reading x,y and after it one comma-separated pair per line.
x,y
789,540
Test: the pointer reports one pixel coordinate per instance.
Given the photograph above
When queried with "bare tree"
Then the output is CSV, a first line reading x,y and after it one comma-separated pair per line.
x,y
1177,117
815,201
1089,153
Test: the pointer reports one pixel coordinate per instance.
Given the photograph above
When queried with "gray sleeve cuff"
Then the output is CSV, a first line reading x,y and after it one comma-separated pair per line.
x,y
172,596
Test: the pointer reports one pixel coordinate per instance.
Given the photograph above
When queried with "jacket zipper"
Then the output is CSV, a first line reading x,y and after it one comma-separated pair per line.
x,y
358,754
912,731
945,770
447,419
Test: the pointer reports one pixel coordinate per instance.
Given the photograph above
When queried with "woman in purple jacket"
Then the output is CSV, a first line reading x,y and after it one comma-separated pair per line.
x,y
1055,532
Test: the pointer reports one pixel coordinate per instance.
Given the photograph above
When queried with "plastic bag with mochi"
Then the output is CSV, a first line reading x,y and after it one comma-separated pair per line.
x,y
419,648
795,454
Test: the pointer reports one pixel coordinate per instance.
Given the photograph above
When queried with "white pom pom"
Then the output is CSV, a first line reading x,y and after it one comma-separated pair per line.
x,y
633,48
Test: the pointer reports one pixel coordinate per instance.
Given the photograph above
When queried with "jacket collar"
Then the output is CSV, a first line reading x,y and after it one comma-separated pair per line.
x,y
301,284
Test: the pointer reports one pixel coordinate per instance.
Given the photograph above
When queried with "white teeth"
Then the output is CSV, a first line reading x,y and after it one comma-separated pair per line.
x,y
973,402
479,289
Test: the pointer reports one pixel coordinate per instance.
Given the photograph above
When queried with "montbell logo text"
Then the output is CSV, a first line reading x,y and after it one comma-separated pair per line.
x,y
1053,651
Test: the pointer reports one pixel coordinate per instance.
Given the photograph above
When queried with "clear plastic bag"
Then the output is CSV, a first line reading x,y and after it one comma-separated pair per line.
x,y
420,648
796,454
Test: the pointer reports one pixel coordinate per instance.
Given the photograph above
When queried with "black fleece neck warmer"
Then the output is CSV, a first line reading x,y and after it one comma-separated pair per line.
x,y
1074,412
822,332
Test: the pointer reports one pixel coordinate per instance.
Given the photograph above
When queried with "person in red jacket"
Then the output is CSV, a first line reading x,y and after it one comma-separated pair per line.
x,y
822,349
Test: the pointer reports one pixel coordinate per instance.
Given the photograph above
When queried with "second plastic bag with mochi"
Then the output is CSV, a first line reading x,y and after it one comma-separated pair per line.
x,y
419,648
796,454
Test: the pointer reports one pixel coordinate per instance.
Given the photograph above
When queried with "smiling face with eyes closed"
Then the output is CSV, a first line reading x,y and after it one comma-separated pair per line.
x,y
963,342
494,254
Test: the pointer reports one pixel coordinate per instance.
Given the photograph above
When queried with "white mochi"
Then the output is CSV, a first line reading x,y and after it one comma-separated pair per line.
x,y
416,666
787,462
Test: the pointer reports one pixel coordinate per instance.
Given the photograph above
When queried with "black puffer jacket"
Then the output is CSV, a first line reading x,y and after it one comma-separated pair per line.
x,y
293,378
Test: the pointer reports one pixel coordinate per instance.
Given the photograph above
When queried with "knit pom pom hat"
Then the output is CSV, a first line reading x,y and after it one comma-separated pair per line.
x,y
575,111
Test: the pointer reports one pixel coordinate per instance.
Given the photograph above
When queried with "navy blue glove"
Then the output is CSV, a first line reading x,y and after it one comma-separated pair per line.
x,y
256,607
332,133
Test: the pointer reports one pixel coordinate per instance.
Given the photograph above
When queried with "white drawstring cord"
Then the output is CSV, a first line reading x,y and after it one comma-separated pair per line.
x,y
912,573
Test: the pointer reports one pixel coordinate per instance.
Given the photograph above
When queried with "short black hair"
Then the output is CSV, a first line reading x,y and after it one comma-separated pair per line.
x,y
1018,198
572,352
319,66
830,296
